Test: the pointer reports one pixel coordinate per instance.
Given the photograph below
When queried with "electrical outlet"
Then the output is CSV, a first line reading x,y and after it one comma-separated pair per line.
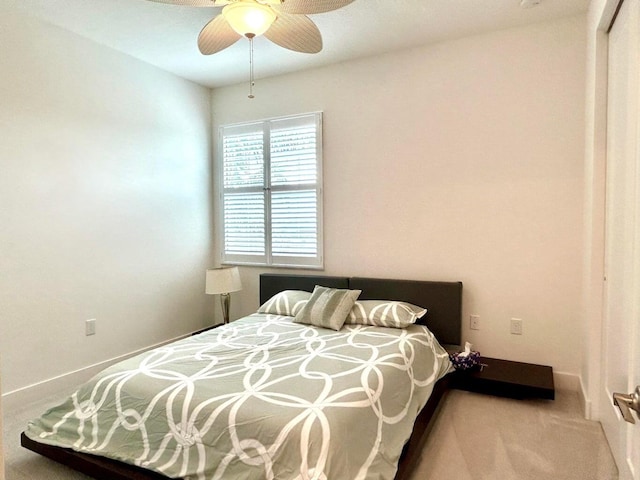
x,y
516,326
474,322
90,327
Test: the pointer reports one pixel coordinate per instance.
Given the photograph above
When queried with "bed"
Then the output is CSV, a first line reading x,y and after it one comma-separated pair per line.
x,y
308,430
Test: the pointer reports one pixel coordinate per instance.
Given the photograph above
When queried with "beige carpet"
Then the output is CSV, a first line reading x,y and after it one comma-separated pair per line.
x,y
479,437
475,437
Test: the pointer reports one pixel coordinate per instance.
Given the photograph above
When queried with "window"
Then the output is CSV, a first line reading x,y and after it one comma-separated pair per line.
x,y
271,192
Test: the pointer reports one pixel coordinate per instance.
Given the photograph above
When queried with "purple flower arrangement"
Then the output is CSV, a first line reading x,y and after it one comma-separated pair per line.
x,y
464,360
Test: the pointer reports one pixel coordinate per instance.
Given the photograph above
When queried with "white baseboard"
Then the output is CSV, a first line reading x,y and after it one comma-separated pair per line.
x,y
67,382
573,383
585,401
566,381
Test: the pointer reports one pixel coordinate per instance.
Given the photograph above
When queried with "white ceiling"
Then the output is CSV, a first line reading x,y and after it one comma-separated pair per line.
x,y
166,35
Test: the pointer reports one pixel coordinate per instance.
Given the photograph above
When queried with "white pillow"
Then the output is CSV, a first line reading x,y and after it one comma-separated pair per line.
x,y
287,302
384,313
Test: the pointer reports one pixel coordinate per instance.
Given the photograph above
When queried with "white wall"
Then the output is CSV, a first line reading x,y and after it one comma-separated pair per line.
x,y
104,202
458,161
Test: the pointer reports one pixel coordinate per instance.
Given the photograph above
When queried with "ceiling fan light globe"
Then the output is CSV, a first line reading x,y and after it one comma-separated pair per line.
x,y
249,19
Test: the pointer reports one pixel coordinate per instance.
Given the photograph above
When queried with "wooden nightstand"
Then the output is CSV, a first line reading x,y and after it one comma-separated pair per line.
x,y
506,379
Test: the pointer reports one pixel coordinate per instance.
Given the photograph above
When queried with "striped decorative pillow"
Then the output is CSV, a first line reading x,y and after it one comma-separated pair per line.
x,y
287,302
327,307
384,313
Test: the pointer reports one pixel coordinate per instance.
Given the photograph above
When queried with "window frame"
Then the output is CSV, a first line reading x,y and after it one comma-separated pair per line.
x,y
268,259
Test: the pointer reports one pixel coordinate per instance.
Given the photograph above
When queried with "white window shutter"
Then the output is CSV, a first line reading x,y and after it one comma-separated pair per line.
x,y
271,192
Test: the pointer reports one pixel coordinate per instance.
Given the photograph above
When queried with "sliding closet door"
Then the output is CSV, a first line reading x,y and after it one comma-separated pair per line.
x,y
621,324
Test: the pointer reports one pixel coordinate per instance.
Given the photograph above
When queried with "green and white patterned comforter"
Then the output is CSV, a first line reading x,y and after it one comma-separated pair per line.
x,y
260,398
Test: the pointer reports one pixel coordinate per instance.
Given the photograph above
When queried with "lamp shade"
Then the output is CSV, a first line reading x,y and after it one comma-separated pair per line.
x,y
223,280
250,19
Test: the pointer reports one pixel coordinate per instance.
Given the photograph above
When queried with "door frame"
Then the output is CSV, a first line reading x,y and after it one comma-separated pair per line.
x,y
600,17
1,446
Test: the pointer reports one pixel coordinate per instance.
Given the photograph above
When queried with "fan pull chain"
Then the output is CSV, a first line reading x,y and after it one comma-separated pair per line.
x,y
251,82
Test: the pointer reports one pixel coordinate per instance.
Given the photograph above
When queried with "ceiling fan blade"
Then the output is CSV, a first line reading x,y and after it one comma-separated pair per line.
x,y
295,32
310,6
217,35
191,3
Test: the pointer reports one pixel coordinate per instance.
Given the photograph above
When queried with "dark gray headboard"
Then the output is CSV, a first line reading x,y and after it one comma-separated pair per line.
x,y
443,300
272,283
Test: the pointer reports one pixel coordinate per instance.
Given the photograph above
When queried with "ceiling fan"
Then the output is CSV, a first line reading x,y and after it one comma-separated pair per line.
x,y
284,22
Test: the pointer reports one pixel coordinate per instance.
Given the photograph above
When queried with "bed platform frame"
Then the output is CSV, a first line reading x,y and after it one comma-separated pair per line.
x,y
444,303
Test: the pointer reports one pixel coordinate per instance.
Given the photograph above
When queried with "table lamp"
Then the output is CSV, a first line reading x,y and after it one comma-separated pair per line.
x,y
223,281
